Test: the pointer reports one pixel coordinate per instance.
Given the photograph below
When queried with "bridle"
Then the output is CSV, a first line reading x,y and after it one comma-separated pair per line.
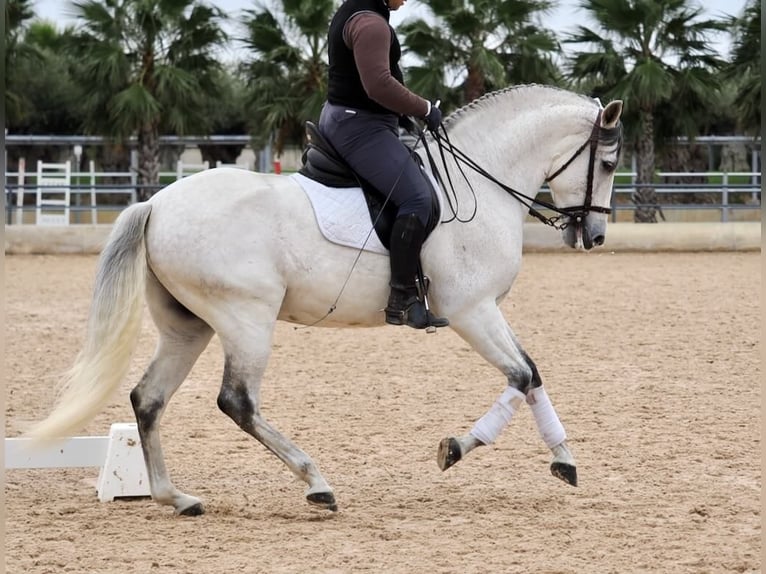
x,y
578,213
572,214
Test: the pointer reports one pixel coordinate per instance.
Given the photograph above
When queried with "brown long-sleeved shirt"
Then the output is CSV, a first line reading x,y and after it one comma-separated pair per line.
x,y
368,35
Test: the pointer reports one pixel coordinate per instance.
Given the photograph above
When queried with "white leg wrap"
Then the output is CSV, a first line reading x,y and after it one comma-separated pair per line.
x,y
547,420
489,427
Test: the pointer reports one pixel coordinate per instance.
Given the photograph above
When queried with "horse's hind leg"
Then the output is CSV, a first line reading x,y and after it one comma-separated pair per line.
x,y
246,356
182,337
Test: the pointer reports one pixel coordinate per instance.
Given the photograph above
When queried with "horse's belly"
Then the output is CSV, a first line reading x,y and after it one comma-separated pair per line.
x,y
326,298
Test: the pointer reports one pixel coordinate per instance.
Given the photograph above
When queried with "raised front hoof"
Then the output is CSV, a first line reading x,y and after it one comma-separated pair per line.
x,y
449,453
565,472
193,510
323,499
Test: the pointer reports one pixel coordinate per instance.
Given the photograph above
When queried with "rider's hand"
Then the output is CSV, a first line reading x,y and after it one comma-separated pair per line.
x,y
434,118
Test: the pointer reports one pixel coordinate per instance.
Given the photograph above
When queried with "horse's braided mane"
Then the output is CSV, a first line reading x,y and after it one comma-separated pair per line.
x,y
607,136
511,90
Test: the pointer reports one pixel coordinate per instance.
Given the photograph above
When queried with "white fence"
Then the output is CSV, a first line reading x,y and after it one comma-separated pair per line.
x,y
59,196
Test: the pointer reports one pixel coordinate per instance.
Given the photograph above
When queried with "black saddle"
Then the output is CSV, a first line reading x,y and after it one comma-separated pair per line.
x,y
323,164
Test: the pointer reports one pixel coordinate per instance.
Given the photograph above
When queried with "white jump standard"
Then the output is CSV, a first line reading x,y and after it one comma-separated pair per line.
x,y
118,455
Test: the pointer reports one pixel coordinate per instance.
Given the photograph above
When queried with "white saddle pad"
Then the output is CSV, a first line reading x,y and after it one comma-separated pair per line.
x,y
342,214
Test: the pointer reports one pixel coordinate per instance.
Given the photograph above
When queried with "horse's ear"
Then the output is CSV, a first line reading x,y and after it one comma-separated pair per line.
x,y
611,114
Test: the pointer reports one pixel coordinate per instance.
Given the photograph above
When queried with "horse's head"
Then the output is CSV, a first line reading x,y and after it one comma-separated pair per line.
x,y
582,185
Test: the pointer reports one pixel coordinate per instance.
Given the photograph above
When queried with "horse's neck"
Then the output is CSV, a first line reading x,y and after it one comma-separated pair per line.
x,y
516,142
515,136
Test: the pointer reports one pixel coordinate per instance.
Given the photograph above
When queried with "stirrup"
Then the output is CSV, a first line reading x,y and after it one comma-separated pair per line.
x,y
413,313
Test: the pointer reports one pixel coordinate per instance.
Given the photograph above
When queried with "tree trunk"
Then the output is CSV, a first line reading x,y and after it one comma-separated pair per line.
x,y
148,161
474,84
691,158
281,139
113,156
645,197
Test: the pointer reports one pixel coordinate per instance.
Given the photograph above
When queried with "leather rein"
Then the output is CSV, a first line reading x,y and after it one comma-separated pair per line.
x,y
573,214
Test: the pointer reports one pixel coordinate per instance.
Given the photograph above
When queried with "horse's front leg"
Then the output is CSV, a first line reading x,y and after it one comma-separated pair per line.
x,y
486,330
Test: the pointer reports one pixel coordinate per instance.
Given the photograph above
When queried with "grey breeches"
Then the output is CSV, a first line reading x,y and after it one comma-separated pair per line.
x,y
369,142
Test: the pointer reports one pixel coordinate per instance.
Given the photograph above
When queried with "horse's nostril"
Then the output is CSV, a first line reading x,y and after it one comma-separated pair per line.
x,y
598,240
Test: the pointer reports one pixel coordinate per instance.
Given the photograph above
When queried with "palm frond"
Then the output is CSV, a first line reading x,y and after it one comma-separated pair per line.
x,y
131,107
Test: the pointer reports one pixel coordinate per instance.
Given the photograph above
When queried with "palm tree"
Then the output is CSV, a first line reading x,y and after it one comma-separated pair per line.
x,y
287,75
480,45
18,53
226,116
656,56
41,96
148,67
744,69
44,84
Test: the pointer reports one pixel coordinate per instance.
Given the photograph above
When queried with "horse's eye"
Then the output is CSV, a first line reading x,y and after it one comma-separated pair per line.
x,y
609,165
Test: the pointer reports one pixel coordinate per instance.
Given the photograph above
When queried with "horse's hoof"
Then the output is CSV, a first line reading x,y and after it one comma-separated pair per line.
x,y
323,499
449,453
564,471
193,510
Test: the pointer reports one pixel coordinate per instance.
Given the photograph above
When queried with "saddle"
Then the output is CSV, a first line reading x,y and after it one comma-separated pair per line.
x,y
322,163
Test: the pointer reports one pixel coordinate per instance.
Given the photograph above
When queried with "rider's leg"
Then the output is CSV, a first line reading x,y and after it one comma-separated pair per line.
x,y
404,306
370,143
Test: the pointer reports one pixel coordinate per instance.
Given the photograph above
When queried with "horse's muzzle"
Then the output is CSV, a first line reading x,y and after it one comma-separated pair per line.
x,y
585,234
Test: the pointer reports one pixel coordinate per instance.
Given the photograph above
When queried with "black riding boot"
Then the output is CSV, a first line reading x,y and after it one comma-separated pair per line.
x,y
404,307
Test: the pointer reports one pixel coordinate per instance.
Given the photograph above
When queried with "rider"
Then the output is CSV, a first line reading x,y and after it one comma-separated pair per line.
x,y
366,102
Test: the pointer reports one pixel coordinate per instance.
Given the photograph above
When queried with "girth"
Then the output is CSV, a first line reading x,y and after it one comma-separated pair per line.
x,y
323,164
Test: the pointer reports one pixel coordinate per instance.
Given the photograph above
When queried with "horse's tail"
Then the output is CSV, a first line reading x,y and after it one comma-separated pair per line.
x,y
113,327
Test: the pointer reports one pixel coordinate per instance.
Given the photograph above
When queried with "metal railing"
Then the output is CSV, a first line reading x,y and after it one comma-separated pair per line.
x,y
724,196
94,197
726,191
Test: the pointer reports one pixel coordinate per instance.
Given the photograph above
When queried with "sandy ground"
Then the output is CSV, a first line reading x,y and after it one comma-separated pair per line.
x,y
652,361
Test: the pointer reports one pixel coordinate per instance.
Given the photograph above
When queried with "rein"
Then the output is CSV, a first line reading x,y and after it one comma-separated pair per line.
x,y
572,214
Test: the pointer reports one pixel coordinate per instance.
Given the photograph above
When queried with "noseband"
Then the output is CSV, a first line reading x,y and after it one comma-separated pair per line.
x,y
578,213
